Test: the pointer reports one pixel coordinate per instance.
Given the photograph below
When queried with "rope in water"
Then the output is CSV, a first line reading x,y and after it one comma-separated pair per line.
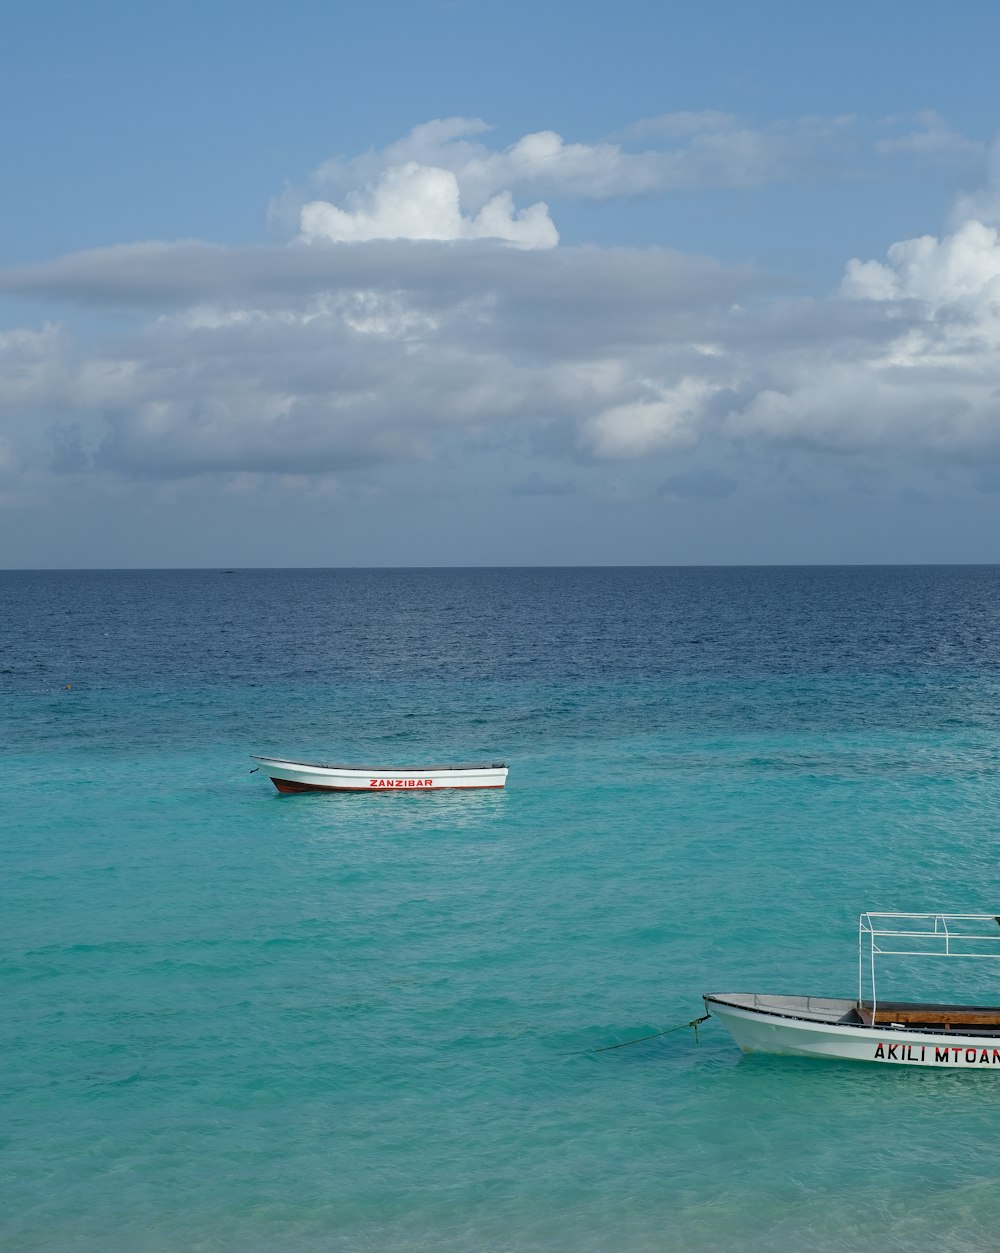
x,y
655,1036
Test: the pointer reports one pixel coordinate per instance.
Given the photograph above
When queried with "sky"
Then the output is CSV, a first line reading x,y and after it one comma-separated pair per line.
x,y
456,283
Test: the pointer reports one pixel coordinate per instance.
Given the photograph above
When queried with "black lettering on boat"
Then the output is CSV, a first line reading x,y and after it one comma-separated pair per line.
x,y
879,1050
892,1052
941,1054
969,1058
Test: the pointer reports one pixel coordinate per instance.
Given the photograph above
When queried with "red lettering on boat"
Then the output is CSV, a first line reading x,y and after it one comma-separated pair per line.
x,y
940,1054
400,783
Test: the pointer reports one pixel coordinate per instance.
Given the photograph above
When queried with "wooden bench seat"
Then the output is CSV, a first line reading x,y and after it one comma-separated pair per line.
x,y
915,1014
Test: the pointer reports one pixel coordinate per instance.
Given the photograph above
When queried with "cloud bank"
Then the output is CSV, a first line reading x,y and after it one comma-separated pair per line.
x,y
416,316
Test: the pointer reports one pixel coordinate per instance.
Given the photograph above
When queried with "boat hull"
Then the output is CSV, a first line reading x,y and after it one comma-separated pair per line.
x,y
303,776
812,1027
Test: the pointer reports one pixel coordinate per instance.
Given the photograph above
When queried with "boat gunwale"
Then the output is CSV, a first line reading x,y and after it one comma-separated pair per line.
x,y
990,1031
384,770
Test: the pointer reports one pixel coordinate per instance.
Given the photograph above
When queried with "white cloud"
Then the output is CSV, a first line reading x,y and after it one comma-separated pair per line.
x,y
596,355
539,163
681,151
671,420
926,383
717,150
959,270
415,201
418,340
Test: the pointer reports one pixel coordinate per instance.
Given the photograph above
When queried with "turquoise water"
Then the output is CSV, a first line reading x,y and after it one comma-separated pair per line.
x,y
234,1020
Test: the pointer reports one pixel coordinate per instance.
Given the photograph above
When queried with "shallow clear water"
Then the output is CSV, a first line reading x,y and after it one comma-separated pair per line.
x,y
234,1020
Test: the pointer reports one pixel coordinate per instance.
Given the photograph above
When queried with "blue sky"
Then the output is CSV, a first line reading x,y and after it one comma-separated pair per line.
x,y
456,283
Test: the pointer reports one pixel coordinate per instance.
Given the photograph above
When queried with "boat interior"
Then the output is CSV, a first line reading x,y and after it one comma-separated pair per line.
x,y
913,1015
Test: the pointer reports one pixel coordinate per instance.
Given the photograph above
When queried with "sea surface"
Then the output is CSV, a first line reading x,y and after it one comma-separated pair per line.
x,y
232,1020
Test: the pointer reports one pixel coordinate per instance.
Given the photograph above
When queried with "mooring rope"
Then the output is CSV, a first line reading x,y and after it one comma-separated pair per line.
x,y
655,1036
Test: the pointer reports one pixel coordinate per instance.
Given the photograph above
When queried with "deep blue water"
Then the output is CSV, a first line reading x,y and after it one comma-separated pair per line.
x,y
234,1020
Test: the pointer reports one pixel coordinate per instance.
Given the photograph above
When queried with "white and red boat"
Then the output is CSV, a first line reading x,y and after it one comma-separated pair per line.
x,y
311,776
907,1033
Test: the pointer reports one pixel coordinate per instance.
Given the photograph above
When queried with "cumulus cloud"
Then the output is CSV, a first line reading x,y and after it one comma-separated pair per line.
x,y
925,382
415,201
960,271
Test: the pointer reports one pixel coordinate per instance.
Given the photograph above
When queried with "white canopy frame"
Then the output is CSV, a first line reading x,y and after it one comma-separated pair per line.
x,y
923,935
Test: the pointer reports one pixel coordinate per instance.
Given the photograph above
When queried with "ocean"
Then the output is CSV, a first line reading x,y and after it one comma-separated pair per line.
x,y
234,1020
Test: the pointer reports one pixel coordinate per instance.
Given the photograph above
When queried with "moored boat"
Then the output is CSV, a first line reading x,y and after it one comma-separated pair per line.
x,y
309,776
911,1033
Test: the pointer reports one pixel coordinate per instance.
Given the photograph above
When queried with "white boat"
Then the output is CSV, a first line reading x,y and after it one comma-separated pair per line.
x,y
311,776
902,1033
